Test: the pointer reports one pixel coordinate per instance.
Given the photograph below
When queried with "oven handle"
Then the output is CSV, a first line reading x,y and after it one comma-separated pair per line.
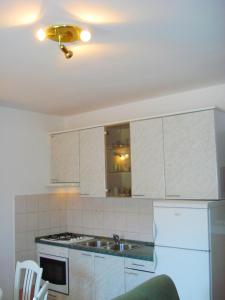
x,y
59,258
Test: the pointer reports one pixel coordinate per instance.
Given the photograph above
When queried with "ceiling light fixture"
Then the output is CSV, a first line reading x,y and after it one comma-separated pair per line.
x,y
64,34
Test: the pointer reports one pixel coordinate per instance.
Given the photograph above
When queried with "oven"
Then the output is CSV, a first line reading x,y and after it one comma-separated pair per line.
x,y
55,263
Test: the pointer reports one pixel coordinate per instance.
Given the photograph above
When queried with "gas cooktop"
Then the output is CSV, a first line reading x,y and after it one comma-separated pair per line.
x,y
66,238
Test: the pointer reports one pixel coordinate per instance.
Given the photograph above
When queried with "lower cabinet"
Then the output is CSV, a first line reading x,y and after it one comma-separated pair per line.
x,y
137,271
81,275
134,277
95,276
109,276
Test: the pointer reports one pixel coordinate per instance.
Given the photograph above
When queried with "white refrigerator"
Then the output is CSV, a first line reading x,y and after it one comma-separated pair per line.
x,y
189,239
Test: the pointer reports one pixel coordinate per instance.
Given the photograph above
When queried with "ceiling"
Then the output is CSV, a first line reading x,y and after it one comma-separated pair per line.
x,y
139,50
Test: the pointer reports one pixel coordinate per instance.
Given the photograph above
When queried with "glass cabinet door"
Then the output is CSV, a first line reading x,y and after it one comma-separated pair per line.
x,y
118,162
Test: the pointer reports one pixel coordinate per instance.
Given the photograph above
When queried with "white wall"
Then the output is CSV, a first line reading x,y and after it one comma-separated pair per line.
x,y
195,99
24,169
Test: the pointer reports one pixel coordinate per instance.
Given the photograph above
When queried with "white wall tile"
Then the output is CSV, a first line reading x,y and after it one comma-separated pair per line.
x,y
31,221
145,206
109,220
88,218
43,204
97,219
21,242
44,220
131,222
54,219
20,223
31,204
145,223
131,205
61,201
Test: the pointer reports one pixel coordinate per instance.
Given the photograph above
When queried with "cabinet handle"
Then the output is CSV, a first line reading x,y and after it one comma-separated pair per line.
x,y
131,273
97,256
138,265
85,254
138,195
175,196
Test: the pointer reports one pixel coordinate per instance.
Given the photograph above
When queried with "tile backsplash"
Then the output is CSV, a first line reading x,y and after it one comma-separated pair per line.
x,y
37,215
128,217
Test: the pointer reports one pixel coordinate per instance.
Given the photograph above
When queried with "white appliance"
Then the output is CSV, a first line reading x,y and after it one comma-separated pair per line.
x,y
55,260
189,241
55,263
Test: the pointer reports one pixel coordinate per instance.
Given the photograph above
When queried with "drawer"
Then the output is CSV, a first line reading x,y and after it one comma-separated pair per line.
x,y
53,250
139,264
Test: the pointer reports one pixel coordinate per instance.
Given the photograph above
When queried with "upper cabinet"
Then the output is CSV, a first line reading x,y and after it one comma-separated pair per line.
x,y
147,159
65,157
191,167
118,164
174,157
92,162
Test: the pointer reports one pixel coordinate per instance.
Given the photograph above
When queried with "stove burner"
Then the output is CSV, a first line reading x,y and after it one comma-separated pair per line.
x,y
67,236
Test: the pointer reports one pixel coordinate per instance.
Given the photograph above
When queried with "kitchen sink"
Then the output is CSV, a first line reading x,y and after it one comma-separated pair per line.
x,y
96,243
122,247
108,245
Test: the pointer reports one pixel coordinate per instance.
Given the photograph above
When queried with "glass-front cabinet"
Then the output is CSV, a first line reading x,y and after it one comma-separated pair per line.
x,y
118,162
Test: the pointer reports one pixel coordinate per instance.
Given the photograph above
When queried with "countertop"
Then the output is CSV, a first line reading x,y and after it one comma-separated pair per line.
x,y
144,251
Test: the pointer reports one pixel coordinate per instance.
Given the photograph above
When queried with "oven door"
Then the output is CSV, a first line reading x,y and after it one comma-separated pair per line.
x,y
55,270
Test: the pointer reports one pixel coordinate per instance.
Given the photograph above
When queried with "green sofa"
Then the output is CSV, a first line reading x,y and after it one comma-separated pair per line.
x,y
158,288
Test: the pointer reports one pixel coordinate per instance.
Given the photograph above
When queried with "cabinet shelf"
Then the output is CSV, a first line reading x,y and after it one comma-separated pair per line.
x,y
119,172
117,147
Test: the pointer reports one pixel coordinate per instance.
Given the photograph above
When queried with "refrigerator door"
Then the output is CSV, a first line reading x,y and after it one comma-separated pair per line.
x,y
189,269
181,227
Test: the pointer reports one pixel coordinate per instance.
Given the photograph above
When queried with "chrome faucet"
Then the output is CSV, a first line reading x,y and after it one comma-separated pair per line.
x,y
116,239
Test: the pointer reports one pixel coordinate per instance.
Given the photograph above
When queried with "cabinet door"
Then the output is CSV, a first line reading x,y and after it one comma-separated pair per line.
x,y
65,157
133,278
81,275
92,162
147,159
189,269
109,276
190,156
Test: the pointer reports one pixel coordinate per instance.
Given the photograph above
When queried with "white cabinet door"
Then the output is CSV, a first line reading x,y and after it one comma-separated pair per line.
x,y
189,269
92,162
109,276
81,275
65,157
147,159
190,156
133,278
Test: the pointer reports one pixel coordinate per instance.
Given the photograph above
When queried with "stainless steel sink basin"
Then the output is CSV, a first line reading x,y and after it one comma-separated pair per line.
x,y
122,247
109,245
95,243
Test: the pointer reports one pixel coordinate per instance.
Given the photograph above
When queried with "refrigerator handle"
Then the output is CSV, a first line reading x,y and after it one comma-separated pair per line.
x,y
155,259
154,230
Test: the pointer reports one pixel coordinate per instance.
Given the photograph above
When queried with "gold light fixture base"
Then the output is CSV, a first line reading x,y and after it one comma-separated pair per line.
x,y
63,33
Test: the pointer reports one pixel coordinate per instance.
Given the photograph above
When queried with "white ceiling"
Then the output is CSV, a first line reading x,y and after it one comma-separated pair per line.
x,y
139,50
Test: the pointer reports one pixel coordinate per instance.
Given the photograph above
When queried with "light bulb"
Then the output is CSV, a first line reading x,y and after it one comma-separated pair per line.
x,y
41,35
85,36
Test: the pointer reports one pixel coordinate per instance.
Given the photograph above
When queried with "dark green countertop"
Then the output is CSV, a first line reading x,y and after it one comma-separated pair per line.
x,y
143,252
